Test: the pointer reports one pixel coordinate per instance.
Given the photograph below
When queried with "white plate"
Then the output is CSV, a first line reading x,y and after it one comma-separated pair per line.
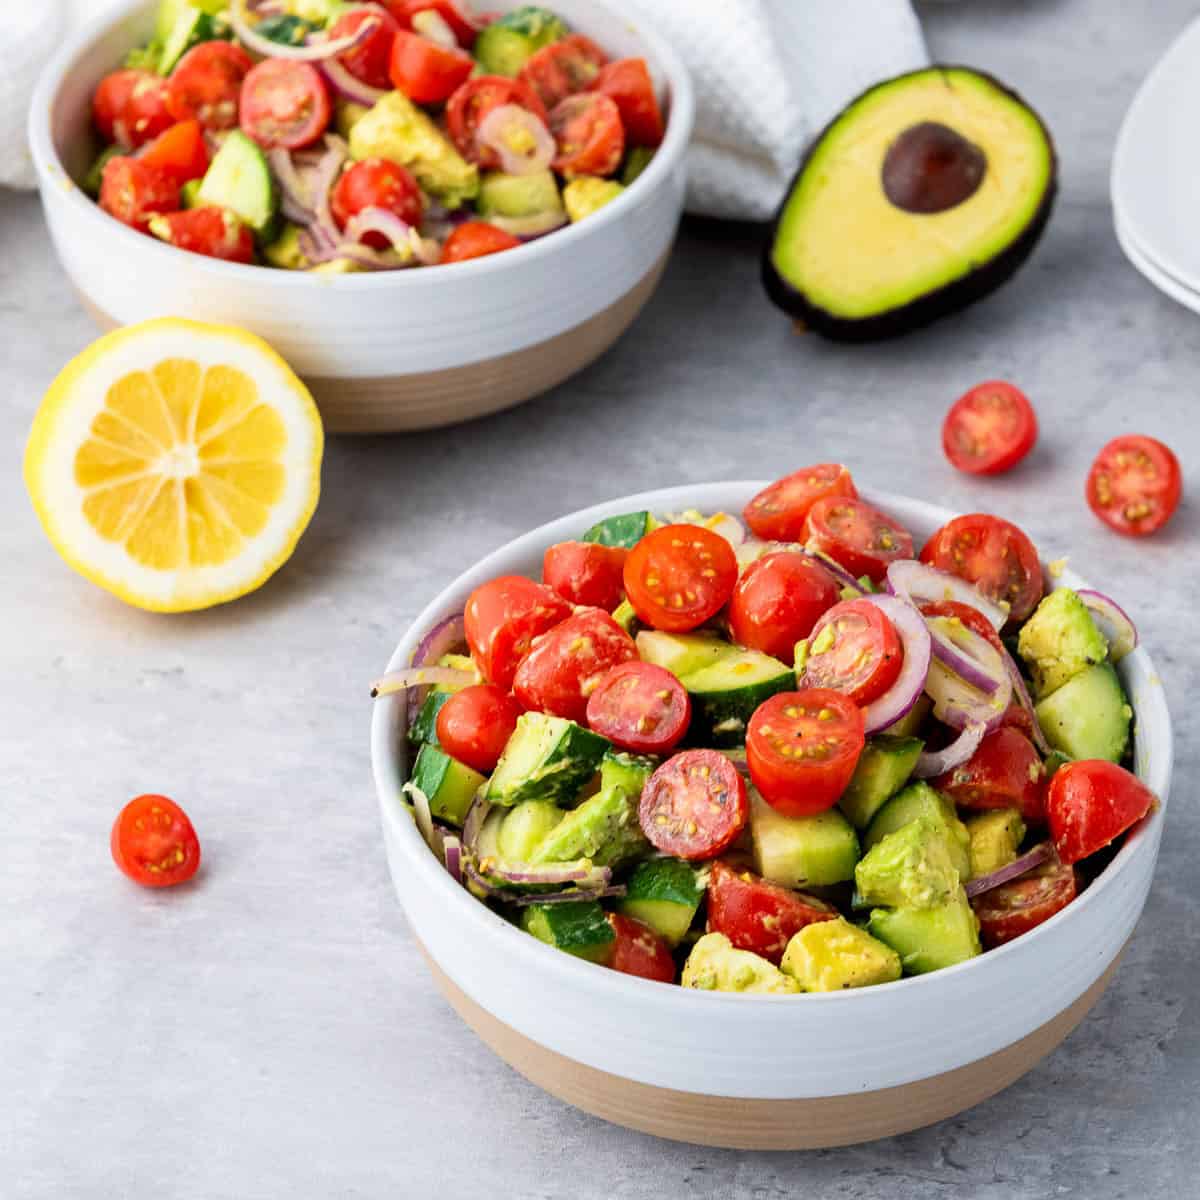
x,y
1155,181
1161,279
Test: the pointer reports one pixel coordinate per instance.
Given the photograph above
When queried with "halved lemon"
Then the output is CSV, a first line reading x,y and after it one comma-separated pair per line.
x,y
176,464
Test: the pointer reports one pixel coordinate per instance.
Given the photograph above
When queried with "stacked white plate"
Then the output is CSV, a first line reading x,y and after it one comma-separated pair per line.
x,y
1156,174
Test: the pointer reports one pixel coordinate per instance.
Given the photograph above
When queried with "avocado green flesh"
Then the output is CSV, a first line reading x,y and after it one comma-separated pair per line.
x,y
843,248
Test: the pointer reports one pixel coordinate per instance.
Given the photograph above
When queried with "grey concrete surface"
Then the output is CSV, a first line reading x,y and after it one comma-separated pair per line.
x,y
271,1032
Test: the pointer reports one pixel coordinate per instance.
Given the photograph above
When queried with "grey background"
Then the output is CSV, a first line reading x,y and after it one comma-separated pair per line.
x,y
271,1031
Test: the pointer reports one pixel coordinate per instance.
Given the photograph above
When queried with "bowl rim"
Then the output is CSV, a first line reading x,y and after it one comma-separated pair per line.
x,y
571,971
52,173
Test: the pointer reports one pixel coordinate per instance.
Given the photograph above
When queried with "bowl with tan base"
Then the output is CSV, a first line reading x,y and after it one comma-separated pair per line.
x,y
391,350
762,1072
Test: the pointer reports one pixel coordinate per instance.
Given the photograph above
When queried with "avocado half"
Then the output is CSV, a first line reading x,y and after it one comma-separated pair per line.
x,y
922,195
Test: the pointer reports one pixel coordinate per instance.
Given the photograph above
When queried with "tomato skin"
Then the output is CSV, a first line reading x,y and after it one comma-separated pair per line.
x,y
1090,803
144,114
368,60
864,656
628,85
679,576
1015,908
586,573
212,231
207,83
460,26
567,663
180,152
467,107
989,429
777,513
778,600
589,135
1135,485
153,842
759,916
426,72
474,725
639,951
502,618
637,694
694,806
376,183
994,555
133,192
856,535
1005,772
109,100
570,65
284,104
810,778
476,239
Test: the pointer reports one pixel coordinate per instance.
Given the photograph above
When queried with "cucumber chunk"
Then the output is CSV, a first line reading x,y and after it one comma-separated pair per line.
x,y
681,653
725,694
503,47
424,728
547,758
665,894
449,785
883,769
190,28
625,530
238,178
928,939
1089,716
577,927
523,827
801,852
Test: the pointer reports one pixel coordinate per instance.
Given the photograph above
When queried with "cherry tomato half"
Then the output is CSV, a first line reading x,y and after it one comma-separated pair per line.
x,y
153,842
1015,908
211,230
130,108
802,747
759,916
370,59
1134,485
1005,772
462,25
1092,802
567,664
376,183
628,85
694,805
777,513
284,104
640,707
466,109
678,576
474,725
638,950
990,429
179,151
133,192
861,538
586,573
778,600
206,84
426,72
109,100
994,555
502,618
476,239
588,133
570,65
854,649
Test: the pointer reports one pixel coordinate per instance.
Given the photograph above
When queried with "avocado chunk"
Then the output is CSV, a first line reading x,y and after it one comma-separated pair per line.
x,y
828,956
1089,717
801,852
626,617
586,194
546,758
995,836
1059,641
239,179
624,530
449,785
664,893
604,827
726,693
928,939
919,802
502,195
503,46
911,868
396,129
715,966
681,653
523,827
883,769
577,927
924,194
285,252
910,724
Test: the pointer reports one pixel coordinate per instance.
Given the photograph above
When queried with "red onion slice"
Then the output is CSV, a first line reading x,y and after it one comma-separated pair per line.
x,y
956,701
1113,621
349,86
954,644
580,871
477,813
899,699
421,810
1023,698
317,50
1013,870
414,677
567,896
452,856
924,584
937,762
844,579
519,137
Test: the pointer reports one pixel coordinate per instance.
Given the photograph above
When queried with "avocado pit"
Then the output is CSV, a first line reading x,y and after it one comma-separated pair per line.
x,y
930,168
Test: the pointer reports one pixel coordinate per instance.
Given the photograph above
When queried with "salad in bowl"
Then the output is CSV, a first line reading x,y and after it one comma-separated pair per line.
x,y
780,753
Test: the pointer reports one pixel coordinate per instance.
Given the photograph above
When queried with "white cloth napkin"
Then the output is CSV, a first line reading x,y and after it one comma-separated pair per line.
x,y
768,75
31,34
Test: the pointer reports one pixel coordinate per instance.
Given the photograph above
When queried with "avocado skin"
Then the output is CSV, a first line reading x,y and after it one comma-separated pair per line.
x,y
924,310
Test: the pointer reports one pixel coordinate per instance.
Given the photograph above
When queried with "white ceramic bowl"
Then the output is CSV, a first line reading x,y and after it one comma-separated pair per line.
x,y
394,350
998,1013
